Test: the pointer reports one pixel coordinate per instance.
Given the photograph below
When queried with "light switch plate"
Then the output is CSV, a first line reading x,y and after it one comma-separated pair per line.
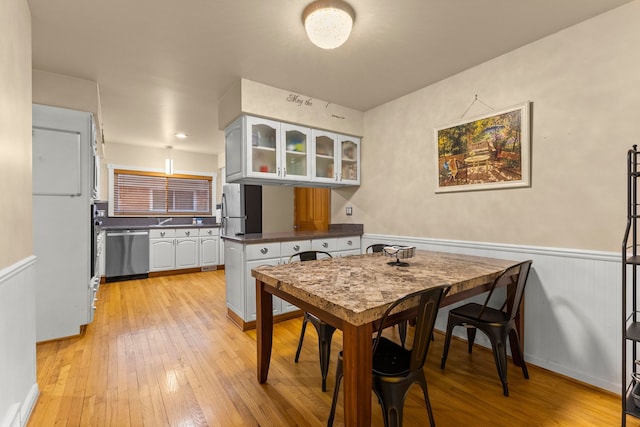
x,y
349,210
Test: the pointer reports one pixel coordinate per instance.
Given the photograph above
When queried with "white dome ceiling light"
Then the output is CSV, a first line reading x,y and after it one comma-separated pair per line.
x,y
328,22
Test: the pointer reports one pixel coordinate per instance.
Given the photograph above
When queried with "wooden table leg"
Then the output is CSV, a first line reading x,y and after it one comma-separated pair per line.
x,y
264,330
356,348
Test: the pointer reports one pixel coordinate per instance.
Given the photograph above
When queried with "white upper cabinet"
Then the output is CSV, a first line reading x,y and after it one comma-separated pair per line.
x,y
336,158
296,152
263,151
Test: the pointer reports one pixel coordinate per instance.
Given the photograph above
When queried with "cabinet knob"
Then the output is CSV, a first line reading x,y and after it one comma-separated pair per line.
x,y
210,232
325,245
264,251
349,242
296,248
162,234
187,233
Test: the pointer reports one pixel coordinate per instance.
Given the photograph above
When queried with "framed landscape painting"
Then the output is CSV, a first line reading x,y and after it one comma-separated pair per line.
x,y
485,152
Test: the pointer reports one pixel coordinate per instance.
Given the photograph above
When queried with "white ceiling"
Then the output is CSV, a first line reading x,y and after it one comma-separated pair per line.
x,y
162,65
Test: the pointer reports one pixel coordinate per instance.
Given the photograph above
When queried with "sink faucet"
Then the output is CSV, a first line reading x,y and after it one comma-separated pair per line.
x,y
164,221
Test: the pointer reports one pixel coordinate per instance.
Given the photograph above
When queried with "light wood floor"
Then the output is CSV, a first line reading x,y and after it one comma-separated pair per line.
x,y
161,352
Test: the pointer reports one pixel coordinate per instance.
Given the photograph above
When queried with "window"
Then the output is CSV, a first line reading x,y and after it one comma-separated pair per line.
x,y
141,193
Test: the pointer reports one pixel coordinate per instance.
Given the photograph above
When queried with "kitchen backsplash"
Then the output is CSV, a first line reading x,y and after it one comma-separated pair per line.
x,y
146,221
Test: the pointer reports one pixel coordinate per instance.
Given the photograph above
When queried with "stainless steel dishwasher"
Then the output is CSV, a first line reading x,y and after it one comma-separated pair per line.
x,y
127,255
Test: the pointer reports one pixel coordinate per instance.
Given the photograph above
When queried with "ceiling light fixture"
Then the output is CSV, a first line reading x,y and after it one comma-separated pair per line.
x,y
328,22
168,162
181,135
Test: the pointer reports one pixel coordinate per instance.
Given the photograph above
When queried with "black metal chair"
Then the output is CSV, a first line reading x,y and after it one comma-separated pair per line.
x,y
324,330
402,326
395,368
496,323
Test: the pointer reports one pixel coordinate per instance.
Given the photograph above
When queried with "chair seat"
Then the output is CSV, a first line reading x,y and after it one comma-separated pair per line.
x,y
472,310
391,359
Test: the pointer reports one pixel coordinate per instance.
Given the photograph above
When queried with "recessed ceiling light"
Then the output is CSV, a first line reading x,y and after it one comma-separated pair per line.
x,y
181,135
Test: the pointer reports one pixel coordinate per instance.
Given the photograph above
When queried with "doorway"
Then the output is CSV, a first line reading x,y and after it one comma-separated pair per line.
x,y
312,209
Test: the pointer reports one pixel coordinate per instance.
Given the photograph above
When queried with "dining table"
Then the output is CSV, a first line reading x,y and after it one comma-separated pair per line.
x,y
352,293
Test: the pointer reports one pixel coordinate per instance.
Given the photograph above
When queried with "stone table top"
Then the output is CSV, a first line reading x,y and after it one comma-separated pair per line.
x,y
358,288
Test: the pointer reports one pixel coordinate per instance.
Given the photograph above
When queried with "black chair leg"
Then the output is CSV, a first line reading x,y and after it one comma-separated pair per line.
x,y
514,338
447,342
336,390
500,356
425,391
325,333
471,336
304,327
402,331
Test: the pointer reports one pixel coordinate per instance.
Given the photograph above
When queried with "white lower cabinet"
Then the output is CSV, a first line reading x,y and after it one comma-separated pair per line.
x,y
209,247
187,251
174,249
162,249
241,258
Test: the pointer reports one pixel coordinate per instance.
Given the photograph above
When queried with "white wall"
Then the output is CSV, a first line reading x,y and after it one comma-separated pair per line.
x,y
584,84
18,388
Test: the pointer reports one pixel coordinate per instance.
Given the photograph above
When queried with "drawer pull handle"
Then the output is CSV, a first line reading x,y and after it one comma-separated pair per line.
x,y
187,233
349,242
264,251
325,245
210,231
296,248
162,233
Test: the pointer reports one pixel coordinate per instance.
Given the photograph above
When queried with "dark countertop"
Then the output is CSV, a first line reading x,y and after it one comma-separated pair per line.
x,y
335,230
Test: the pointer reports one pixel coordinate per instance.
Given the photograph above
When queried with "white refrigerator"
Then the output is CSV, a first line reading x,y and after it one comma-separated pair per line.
x,y
62,150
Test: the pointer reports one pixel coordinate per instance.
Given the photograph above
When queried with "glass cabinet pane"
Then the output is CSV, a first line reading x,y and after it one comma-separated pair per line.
x,y
349,167
263,148
324,157
296,153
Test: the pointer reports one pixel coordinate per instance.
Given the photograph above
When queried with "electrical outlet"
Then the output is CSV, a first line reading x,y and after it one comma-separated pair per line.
x,y
100,212
349,211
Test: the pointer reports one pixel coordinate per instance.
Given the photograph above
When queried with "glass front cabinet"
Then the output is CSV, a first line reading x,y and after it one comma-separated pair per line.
x,y
336,158
261,150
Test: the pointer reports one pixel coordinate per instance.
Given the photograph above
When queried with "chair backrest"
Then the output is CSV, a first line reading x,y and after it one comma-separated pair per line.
x,y
518,274
309,255
428,302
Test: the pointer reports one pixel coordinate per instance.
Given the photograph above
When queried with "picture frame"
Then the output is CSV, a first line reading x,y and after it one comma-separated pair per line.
x,y
485,152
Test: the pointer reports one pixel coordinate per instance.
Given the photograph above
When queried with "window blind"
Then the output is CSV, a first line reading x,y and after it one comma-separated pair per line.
x,y
139,193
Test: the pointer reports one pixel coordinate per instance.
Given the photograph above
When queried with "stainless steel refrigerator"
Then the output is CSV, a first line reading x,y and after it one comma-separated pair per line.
x,y
241,209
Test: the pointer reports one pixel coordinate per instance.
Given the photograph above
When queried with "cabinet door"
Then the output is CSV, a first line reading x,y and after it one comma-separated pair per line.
x,y
234,151
162,254
250,289
209,251
324,156
349,160
296,153
263,144
187,252
234,277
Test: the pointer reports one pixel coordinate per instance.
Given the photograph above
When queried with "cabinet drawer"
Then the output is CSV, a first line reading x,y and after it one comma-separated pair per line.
x,y
187,232
161,234
348,243
327,245
209,232
289,248
263,251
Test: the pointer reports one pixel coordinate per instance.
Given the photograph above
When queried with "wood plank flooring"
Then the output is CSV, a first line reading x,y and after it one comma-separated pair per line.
x,y
161,352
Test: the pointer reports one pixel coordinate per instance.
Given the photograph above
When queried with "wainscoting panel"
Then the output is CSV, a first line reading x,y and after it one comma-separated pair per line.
x,y
572,306
19,390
